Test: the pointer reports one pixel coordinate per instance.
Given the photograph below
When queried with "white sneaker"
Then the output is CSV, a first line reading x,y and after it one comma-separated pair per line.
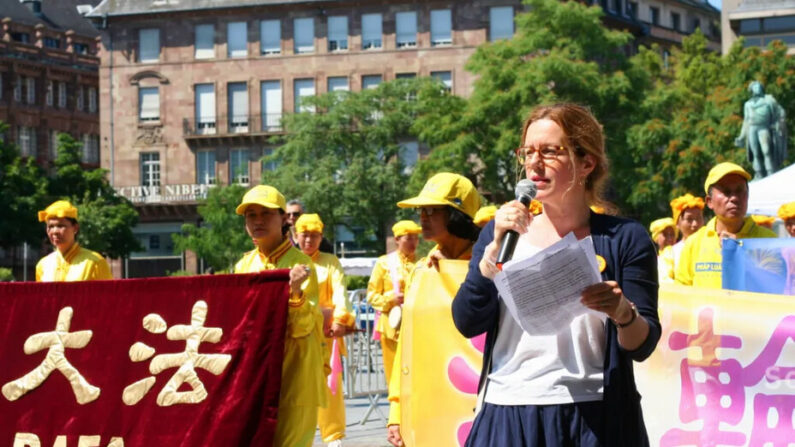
x,y
335,443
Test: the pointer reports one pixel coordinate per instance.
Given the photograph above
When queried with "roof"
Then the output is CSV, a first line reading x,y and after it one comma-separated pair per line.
x,y
61,15
136,7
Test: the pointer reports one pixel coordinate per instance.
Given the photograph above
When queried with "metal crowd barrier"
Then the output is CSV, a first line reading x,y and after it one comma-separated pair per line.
x,y
364,369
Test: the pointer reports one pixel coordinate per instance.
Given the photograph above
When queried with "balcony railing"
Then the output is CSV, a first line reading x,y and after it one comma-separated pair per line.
x,y
232,125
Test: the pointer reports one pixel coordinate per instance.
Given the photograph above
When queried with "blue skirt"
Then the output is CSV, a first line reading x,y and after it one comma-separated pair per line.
x,y
566,425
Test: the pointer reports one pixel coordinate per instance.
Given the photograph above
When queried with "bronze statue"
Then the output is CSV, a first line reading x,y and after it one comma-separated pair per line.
x,y
764,133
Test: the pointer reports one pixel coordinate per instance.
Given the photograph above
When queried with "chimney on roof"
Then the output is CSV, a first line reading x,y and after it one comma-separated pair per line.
x,y
33,5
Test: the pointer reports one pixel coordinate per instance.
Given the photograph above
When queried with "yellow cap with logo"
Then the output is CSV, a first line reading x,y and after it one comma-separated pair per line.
x,y
659,225
57,210
722,170
405,227
263,195
309,223
447,188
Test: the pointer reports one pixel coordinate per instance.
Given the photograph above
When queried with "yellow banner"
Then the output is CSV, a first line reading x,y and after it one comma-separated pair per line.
x,y
723,371
441,368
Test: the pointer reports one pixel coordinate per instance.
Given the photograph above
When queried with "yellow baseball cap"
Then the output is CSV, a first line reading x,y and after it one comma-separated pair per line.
x,y
722,170
681,203
447,189
485,214
309,223
59,209
263,195
659,225
787,211
405,227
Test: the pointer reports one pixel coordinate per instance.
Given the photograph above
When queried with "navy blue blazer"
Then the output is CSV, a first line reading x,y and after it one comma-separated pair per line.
x,y
631,262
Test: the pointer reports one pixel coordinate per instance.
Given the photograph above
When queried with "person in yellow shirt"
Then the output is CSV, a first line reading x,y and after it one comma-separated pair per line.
x,y
332,296
447,205
303,388
663,233
727,196
688,212
387,285
787,213
69,261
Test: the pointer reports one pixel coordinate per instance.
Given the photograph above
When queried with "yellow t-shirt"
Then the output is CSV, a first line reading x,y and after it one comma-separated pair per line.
x,y
665,265
381,291
332,292
701,262
78,264
303,371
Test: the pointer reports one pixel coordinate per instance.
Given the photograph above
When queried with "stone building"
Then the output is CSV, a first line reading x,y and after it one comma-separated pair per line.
x,y
759,21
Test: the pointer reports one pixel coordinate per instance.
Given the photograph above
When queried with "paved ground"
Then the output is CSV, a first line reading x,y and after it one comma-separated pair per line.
x,y
370,434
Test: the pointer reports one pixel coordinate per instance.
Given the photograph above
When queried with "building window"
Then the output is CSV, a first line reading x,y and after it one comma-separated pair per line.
x,y
50,42
676,21
80,48
90,149
204,42
303,88
405,75
237,96
18,88
406,29
237,39
80,100
148,104
441,27
61,94
205,167
149,45
154,242
304,35
205,109
337,84
779,24
150,168
696,24
53,144
632,10
337,33
271,98
409,155
500,23
30,90
92,99
370,82
270,36
371,31
238,166
655,15
1,85
49,96
20,37
268,165
26,139
446,77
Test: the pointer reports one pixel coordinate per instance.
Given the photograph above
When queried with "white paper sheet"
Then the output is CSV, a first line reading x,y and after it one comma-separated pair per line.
x,y
542,292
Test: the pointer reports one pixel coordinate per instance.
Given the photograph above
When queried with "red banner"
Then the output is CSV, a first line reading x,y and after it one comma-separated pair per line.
x,y
153,362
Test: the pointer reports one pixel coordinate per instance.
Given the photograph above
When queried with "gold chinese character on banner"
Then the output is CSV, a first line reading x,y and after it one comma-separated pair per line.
x,y
193,334
57,341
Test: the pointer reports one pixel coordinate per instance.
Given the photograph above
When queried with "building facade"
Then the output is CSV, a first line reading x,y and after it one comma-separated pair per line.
x,y
759,22
49,84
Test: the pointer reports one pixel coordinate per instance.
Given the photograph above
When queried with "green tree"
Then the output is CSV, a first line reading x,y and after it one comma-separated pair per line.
x,y
692,115
344,162
222,239
23,188
561,52
106,219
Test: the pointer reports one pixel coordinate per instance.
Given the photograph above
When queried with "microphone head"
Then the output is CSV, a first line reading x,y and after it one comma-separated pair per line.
x,y
526,189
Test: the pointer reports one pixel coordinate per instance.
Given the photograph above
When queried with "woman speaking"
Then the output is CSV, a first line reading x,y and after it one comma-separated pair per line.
x,y
575,387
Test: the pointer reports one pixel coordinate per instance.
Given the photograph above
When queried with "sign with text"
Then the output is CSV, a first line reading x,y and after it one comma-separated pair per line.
x,y
167,361
165,193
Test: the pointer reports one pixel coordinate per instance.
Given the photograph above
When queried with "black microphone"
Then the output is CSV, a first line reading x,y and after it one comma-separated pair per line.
x,y
526,190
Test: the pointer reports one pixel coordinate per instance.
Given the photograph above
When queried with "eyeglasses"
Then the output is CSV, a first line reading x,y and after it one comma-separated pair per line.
x,y
428,211
546,152
294,214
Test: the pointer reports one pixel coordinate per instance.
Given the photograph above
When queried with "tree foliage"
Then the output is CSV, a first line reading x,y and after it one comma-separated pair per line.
x,y
106,219
222,239
345,163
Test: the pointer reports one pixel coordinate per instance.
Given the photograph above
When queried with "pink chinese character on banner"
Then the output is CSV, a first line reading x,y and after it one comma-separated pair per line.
x,y
764,367
712,389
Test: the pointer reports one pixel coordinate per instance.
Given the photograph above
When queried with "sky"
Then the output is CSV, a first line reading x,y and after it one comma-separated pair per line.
x,y
715,3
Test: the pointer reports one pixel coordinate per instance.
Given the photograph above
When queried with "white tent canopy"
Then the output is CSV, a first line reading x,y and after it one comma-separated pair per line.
x,y
358,266
766,195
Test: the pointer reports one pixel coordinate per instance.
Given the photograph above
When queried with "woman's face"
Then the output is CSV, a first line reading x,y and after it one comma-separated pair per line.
x,y
549,165
433,220
407,244
789,224
690,221
61,232
309,241
666,237
264,225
